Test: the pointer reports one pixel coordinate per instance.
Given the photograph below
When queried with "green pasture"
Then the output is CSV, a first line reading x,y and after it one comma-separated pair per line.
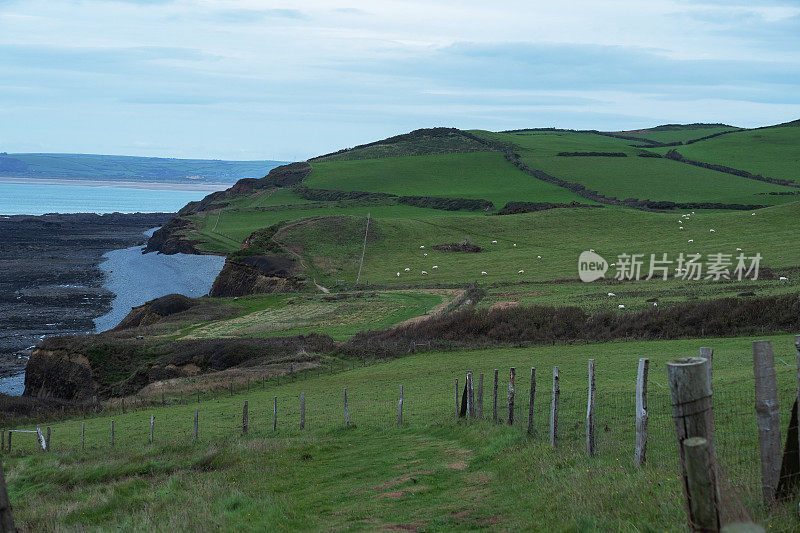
x,y
431,473
678,133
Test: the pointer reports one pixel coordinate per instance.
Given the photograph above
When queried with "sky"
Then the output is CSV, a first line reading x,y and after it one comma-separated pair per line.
x,y
248,79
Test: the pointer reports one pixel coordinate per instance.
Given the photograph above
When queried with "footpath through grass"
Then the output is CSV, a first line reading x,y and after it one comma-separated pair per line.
x,y
430,473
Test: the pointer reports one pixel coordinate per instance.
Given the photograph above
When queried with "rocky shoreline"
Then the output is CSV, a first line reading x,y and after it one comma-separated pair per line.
x,y
51,283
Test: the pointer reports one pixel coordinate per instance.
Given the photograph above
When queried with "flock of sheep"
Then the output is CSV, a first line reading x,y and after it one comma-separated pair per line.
x,y
435,267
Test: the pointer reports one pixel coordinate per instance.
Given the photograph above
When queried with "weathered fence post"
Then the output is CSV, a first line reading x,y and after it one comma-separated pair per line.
x,y
701,485
530,401
244,418
275,413
163,401
6,518
494,400
400,408
123,405
196,422
797,347
590,412
152,427
9,440
3,440
512,374
302,410
83,435
112,432
768,417
479,404
458,409
470,396
554,409
692,411
640,452
47,440
346,410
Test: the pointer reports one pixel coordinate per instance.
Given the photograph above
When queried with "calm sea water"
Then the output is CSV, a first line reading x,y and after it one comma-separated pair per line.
x,y
75,197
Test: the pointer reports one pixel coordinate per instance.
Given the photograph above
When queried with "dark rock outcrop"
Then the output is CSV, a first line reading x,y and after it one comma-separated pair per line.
x,y
154,310
257,274
59,368
170,238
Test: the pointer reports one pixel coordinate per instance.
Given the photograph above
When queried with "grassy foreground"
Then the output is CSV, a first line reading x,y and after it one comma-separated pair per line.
x,y
430,473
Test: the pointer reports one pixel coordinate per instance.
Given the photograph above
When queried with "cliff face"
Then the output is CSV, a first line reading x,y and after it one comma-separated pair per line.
x,y
257,275
59,371
170,239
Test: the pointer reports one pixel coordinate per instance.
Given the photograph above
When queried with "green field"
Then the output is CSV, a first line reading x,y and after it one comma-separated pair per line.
x,y
485,175
773,152
670,134
632,176
430,473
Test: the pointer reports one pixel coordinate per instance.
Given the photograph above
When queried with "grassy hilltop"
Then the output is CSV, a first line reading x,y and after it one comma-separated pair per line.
x,y
317,297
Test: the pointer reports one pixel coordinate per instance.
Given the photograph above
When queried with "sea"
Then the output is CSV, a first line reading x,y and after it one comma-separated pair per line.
x,y
133,277
28,196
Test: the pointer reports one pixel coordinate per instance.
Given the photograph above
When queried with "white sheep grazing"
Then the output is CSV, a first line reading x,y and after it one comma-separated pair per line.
x,y
680,221
483,273
591,249
681,228
611,294
425,254
422,247
538,257
435,267
515,245
691,240
620,306
494,242
521,272
783,278
612,264
398,274
407,269
424,273
738,249
711,231
655,304
752,214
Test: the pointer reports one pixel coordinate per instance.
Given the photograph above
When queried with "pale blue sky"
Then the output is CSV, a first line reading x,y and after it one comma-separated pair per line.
x,y
247,79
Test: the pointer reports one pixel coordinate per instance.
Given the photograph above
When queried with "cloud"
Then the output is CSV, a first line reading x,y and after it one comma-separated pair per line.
x,y
248,16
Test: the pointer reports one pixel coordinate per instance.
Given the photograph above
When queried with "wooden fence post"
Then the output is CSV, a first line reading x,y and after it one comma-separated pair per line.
x,y
640,452
494,399
152,427
554,409
3,440
163,401
590,412
471,396
123,405
346,410
83,435
275,413
467,380
797,347
400,408
9,440
768,417
530,401
512,374
6,518
458,410
302,410
244,418
701,485
479,412
692,410
47,440
196,422
112,433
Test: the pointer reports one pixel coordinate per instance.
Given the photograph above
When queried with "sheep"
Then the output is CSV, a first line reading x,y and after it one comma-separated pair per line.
x,y
538,257
680,221
407,269
611,294
521,272
483,273
591,249
424,273
398,274
494,242
620,306
655,304
691,240
681,228
711,231
783,278
425,254
738,249
752,214
435,267
515,245
422,247
612,264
